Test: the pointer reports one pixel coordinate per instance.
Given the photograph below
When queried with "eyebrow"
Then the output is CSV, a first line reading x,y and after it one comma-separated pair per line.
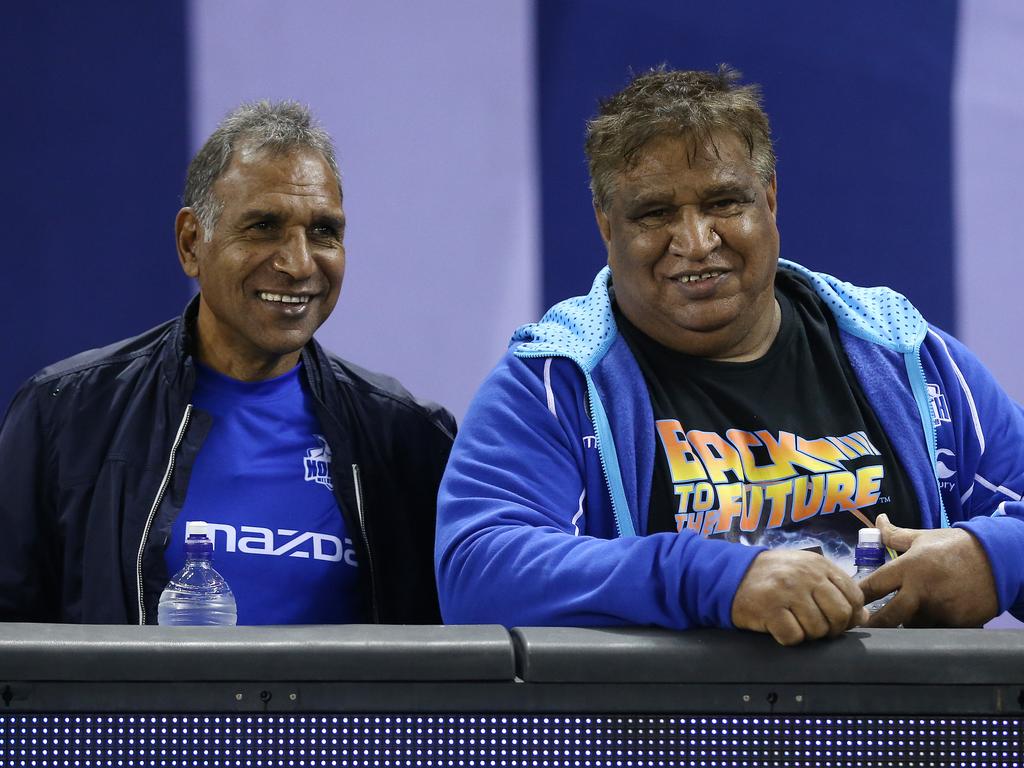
x,y
667,195
335,222
319,219
653,197
725,188
259,214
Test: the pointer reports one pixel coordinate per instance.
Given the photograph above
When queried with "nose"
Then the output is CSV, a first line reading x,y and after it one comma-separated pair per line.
x,y
294,257
693,235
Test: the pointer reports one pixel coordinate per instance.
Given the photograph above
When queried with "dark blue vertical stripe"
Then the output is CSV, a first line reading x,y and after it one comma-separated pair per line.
x,y
95,137
859,96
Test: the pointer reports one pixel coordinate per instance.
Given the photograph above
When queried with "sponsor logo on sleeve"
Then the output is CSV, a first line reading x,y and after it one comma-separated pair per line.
x,y
943,470
939,406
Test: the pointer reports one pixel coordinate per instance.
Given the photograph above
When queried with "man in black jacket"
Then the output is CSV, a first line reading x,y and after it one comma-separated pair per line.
x,y
318,478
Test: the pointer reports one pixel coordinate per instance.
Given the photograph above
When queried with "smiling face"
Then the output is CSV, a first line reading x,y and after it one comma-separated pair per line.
x,y
693,247
272,269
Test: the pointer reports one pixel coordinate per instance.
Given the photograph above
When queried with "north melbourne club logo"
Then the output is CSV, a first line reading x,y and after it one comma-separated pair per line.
x,y
318,464
940,408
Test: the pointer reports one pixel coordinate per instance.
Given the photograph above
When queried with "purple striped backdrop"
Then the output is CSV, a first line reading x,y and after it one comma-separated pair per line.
x,y
988,121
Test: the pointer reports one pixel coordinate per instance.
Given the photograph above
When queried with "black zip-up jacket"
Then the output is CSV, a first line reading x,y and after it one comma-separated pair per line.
x,y
96,453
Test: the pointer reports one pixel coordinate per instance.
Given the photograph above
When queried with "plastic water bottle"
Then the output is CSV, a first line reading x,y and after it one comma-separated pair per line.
x,y
197,595
868,557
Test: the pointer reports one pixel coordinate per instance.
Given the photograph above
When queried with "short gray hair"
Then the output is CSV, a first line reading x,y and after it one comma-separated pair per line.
x,y
280,127
675,103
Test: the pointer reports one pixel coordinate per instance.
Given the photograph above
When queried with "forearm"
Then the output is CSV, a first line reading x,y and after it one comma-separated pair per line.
x,y
492,568
1002,537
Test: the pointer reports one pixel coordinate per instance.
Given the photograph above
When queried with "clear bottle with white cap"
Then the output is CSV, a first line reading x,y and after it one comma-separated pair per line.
x,y
868,557
197,595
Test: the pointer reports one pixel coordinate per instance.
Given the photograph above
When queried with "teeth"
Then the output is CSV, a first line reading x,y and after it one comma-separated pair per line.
x,y
702,276
283,298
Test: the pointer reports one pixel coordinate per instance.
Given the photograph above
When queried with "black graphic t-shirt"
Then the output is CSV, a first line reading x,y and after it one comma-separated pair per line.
x,y
780,451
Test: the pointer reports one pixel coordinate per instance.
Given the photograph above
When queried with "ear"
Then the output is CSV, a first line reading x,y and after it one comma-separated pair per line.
x,y
772,194
187,237
603,225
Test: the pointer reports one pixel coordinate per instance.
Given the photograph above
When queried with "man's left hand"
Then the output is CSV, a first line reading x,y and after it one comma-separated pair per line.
x,y
943,578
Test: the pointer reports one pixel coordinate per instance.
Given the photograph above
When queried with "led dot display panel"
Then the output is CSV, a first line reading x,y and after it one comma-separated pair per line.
x,y
567,741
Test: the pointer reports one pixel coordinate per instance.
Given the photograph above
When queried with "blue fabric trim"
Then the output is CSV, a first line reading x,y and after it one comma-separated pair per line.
x,y
609,462
876,314
899,415
631,417
915,373
581,328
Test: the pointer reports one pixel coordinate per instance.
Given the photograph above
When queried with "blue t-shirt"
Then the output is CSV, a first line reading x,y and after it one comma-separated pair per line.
x,y
262,481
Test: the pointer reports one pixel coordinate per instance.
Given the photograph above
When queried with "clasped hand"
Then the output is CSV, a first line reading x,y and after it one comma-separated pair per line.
x,y
796,596
942,578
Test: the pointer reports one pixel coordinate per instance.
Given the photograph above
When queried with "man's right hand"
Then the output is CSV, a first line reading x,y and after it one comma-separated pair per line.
x,y
797,596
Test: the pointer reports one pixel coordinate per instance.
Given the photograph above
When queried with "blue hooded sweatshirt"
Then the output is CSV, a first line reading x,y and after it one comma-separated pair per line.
x,y
544,503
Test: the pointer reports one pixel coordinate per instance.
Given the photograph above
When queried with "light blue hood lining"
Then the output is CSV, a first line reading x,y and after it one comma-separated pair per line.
x,y
582,328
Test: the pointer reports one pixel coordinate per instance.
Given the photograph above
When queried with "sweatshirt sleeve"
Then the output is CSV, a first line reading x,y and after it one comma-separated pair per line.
x,y
29,560
989,467
525,534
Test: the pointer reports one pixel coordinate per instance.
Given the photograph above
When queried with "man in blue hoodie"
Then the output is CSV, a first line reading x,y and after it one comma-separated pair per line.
x,y
698,441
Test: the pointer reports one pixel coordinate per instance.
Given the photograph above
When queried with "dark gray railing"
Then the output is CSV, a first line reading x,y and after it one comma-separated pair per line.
x,y
484,695
74,668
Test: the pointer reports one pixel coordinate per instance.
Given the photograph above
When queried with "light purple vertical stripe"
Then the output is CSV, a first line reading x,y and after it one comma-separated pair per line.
x,y
988,170
432,108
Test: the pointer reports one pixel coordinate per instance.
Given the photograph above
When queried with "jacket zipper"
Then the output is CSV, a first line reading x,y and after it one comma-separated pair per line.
x,y
156,504
357,480
931,433
622,517
360,512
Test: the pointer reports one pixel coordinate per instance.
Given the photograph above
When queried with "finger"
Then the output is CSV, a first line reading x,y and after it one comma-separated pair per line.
x,y
886,579
860,619
785,628
812,620
899,611
893,536
834,607
852,594
850,589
